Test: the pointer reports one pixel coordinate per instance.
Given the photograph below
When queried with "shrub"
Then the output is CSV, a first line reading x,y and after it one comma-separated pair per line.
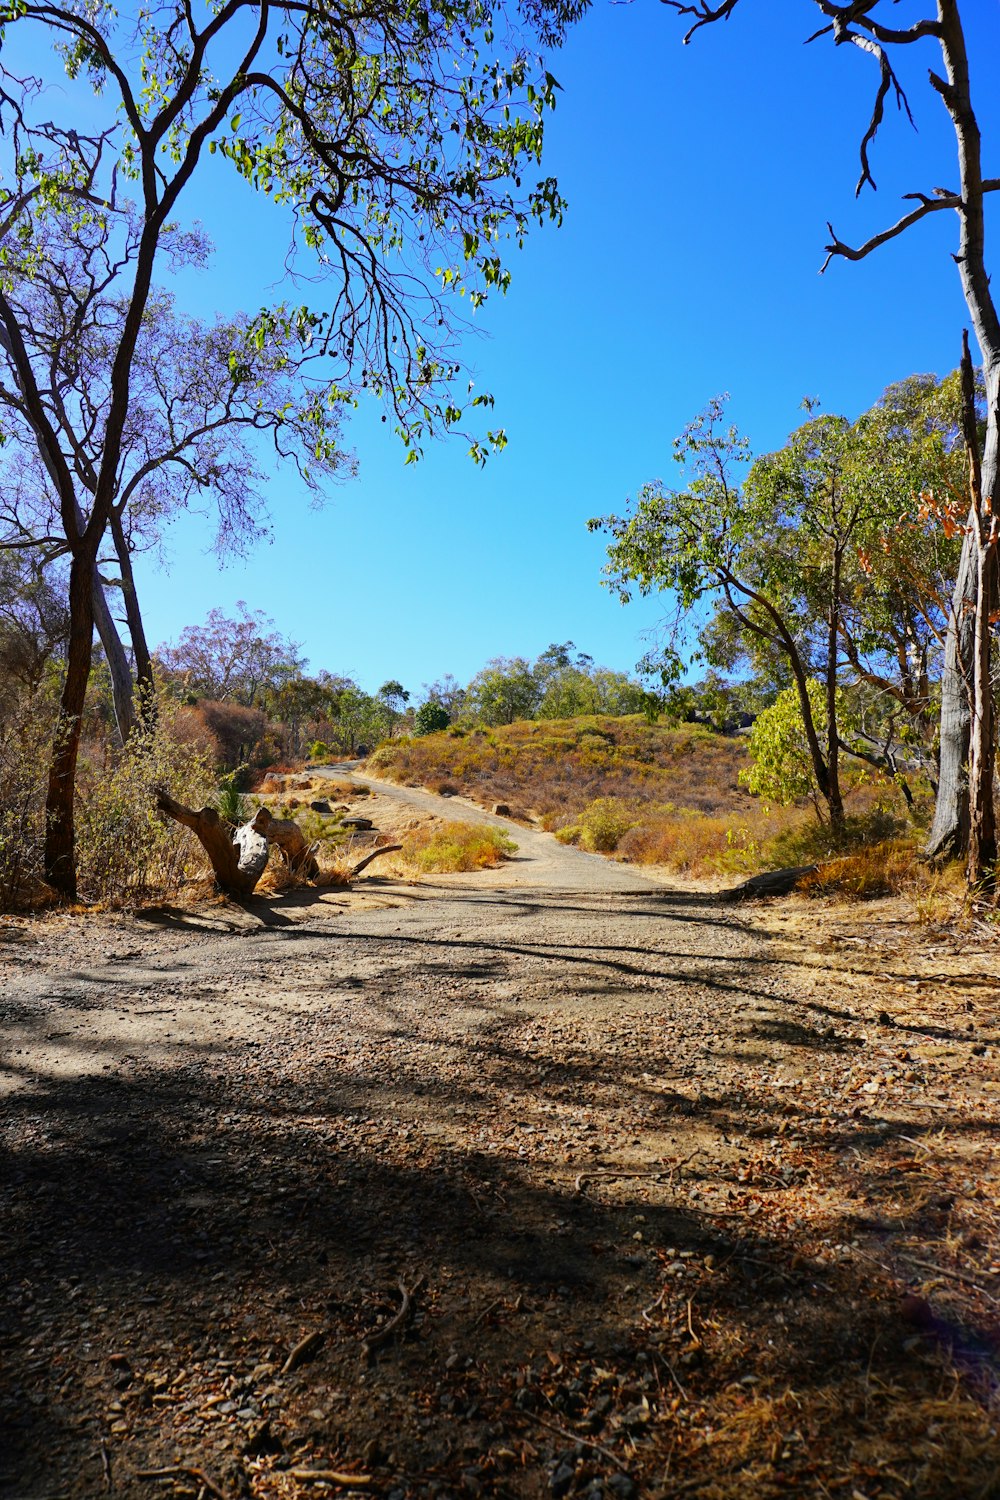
x,y
604,822
25,750
883,869
125,849
431,718
454,847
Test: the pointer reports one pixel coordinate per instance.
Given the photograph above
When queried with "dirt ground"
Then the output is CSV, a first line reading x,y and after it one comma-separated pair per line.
x,y
574,1182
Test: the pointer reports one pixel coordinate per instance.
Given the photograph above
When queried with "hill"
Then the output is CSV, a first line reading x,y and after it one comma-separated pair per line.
x,y
650,793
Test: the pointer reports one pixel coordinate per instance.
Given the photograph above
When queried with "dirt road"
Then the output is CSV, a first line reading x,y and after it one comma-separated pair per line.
x,y
575,1113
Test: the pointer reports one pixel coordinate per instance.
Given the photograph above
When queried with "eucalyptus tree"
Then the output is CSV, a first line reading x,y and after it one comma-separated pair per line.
x,y
768,553
397,137
966,695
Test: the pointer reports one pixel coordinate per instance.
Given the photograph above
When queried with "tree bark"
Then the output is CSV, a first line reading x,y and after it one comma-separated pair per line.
x,y
118,665
60,834
145,688
949,833
239,858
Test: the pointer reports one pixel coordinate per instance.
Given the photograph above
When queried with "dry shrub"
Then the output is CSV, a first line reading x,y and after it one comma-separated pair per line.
x,y
25,752
559,767
883,869
126,850
450,848
236,734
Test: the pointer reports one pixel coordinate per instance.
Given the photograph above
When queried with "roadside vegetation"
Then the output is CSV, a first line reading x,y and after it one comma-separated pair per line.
x,y
656,794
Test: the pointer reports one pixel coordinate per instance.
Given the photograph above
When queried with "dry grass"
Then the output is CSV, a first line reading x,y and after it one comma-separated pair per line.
x,y
881,869
654,795
450,848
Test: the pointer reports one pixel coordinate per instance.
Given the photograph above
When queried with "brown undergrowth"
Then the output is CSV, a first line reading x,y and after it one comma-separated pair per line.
x,y
651,794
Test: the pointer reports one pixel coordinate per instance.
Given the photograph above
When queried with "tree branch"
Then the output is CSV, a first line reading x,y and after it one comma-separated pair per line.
x,y
927,206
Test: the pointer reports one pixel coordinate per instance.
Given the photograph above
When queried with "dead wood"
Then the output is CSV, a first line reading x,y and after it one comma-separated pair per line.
x,y
303,1350
364,863
184,1471
297,853
239,857
771,883
332,1476
383,1335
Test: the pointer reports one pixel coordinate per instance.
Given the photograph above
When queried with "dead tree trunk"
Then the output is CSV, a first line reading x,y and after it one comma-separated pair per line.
x,y
239,857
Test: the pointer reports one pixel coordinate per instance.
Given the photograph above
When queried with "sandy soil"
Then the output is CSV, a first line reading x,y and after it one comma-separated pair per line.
x,y
673,1198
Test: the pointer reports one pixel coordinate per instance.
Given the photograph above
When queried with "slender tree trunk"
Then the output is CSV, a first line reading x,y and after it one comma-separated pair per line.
x,y
144,685
122,691
949,833
834,796
60,840
982,851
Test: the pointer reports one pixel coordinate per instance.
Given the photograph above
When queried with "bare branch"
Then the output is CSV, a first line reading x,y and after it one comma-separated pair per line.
x,y
927,206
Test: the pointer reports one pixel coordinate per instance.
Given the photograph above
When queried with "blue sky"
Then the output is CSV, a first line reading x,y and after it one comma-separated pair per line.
x,y
699,180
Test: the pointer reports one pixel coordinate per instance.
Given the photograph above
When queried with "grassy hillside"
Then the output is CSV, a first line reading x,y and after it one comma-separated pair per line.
x,y
649,794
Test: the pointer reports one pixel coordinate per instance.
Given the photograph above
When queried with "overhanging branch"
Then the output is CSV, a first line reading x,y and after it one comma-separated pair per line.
x,y
927,206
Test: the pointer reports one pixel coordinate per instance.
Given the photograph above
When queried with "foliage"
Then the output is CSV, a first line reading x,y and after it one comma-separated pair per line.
x,y
601,825
505,690
782,770
243,659
26,730
127,850
819,559
430,718
454,847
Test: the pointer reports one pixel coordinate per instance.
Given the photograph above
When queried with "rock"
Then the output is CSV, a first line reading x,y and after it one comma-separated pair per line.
x,y
501,810
321,807
357,823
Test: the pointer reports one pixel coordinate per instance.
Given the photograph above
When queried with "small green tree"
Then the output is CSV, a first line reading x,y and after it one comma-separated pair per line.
x,y
430,718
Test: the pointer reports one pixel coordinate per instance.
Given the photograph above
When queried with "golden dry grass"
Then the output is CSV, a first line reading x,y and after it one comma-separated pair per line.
x,y
450,848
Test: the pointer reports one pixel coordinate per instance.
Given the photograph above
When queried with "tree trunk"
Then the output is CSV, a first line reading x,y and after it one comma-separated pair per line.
x,y
145,692
60,839
239,858
122,692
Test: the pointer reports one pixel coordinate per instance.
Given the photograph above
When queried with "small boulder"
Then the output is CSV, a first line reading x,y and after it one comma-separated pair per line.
x,y
357,823
502,810
320,807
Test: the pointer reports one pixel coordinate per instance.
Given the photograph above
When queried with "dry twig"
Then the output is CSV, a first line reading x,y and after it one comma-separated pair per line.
x,y
175,1471
384,1334
303,1350
332,1476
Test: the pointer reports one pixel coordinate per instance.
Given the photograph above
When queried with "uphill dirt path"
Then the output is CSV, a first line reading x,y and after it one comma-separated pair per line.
x,y
556,1180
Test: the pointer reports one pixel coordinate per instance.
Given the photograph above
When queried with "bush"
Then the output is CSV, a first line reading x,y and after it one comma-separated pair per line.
x,y
454,847
431,718
604,822
883,869
25,751
126,850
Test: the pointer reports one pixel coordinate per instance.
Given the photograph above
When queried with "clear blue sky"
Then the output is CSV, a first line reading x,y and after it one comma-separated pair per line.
x,y
700,180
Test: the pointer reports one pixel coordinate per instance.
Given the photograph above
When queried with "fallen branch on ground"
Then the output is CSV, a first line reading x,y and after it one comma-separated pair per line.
x,y
364,863
184,1471
332,1476
303,1350
383,1335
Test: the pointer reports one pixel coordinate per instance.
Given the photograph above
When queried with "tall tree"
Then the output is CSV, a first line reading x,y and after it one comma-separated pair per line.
x,y
396,135
857,24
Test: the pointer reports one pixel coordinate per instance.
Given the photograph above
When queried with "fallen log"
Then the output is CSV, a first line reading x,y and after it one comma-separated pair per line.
x,y
771,883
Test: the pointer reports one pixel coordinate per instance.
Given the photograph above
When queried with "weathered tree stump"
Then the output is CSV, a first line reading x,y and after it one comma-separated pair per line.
x,y
239,857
